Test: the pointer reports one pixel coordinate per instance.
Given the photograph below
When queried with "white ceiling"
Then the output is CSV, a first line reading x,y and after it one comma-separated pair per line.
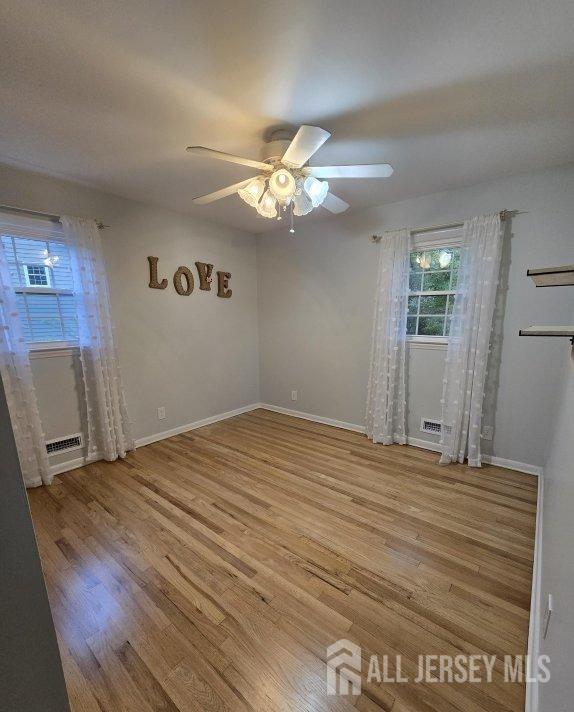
x,y
450,92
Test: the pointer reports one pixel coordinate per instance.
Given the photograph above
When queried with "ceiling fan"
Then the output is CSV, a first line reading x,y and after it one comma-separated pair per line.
x,y
285,180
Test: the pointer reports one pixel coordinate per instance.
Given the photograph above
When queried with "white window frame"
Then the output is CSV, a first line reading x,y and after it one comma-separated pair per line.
x,y
433,240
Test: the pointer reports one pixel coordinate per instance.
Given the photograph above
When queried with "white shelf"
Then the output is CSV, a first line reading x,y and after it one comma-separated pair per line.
x,y
567,331
552,276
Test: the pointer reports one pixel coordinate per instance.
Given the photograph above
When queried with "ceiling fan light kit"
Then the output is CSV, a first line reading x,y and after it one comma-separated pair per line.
x,y
282,184
316,190
253,191
289,180
267,206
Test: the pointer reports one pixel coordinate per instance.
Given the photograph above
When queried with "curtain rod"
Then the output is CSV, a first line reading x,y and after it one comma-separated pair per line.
x,y
51,216
417,231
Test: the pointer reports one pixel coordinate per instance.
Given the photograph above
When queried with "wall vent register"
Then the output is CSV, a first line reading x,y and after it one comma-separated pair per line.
x,y
433,426
70,442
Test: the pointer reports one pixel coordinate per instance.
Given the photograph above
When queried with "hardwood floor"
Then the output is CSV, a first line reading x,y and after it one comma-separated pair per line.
x,y
210,571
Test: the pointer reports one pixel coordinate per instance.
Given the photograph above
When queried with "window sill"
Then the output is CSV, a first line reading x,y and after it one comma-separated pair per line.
x,y
53,349
427,342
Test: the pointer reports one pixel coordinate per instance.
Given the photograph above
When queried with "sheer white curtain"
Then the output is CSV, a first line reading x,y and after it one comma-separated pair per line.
x,y
109,432
19,386
386,399
469,342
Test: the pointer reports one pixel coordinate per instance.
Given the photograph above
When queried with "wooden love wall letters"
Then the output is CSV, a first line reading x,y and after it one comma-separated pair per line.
x,y
184,282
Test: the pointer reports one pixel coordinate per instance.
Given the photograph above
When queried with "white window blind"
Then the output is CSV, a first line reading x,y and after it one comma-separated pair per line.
x,y
40,269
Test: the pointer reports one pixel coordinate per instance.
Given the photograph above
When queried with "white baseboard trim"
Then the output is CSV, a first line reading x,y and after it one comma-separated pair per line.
x,y
425,444
416,442
140,442
315,418
532,688
513,465
73,464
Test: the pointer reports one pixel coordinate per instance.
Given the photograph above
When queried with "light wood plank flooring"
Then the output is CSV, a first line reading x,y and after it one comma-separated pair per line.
x,y
210,571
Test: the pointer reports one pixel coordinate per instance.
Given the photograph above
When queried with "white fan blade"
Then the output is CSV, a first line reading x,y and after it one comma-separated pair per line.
x,y
229,157
378,170
223,193
334,204
307,140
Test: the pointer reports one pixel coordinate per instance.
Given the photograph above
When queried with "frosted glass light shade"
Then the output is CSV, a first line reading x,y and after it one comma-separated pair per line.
x,y
302,204
50,260
282,185
444,258
423,261
316,190
252,192
267,207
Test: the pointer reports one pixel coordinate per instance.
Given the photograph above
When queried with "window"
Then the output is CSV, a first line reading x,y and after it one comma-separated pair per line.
x,y
37,276
432,284
41,273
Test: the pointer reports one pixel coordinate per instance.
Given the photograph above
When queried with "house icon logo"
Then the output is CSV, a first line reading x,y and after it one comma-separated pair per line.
x,y
343,668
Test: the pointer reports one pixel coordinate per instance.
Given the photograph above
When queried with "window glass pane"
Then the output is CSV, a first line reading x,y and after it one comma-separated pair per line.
x,y
434,270
21,303
37,275
413,305
50,315
454,279
69,317
431,326
415,281
436,281
415,257
62,269
44,317
434,256
433,305
448,321
443,258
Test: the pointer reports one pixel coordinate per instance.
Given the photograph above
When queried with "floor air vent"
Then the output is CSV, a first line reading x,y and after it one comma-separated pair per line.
x,y
432,426
70,442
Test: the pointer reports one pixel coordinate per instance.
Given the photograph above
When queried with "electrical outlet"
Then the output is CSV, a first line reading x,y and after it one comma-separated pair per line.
x,y
294,395
161,413
547,614
487,432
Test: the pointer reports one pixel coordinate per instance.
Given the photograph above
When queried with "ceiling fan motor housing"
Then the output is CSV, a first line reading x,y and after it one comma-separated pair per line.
x,y
274,149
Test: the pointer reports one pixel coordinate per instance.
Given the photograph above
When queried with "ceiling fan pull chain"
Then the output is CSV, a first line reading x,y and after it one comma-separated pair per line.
x,y
291,229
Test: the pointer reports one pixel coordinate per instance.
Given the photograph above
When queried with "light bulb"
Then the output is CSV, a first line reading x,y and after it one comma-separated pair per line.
x,y
316,189
282,185
444,258
267,207
302,204
252,192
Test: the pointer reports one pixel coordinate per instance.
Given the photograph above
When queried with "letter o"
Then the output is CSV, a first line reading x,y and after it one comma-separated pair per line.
x,y
178,283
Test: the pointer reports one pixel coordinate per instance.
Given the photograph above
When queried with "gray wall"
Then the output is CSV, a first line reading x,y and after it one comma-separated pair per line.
x,y
196,355
557,551
31,677
316,293
310,297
